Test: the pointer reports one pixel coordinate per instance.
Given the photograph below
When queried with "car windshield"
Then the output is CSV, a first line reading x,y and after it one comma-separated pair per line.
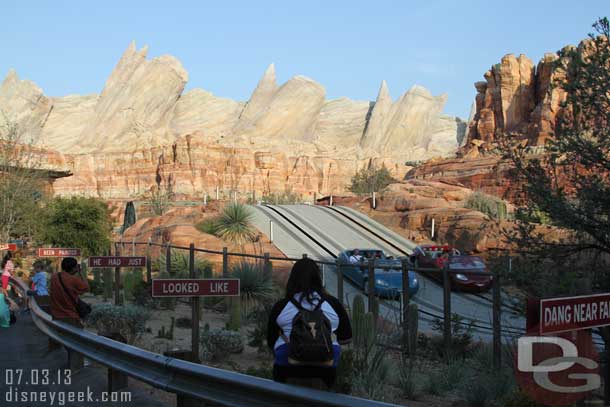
x,y
367,254
466,262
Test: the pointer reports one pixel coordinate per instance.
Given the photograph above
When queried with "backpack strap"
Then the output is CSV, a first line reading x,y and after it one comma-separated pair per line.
x,y
296,304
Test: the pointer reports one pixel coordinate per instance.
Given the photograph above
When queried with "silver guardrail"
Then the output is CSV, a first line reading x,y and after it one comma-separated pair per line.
x,y
191,380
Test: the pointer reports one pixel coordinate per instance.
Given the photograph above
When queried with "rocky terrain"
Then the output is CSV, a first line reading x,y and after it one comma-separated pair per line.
x,y
143,129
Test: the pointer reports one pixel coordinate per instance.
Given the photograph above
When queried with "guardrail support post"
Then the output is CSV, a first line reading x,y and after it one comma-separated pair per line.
x,y
225,262
371,286
148,263
339,281
168,258
196,308
76,361
117,278
497,310
447,310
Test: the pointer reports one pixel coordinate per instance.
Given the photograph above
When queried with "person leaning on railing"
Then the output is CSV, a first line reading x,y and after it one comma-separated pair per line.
x,y
66,287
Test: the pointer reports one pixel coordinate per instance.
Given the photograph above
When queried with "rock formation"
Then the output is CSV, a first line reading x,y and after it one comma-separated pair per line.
x,y
515,99
286,137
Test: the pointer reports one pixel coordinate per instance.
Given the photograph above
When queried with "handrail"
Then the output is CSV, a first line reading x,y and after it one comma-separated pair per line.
x,y
212,385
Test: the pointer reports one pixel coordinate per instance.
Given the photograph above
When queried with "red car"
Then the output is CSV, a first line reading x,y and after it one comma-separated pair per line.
x,y
439,256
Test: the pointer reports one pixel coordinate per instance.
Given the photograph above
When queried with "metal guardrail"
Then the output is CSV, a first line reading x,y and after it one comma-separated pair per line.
x,y
190,380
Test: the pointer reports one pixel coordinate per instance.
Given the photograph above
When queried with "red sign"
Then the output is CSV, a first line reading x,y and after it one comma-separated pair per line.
x,y
8,246
215,287
58,252
574,313
117,261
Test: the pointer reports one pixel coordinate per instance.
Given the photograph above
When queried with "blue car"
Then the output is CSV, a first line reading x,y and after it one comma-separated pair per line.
x,y
388,282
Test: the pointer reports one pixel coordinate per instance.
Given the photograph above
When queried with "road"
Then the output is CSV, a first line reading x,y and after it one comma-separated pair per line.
x,y
323,232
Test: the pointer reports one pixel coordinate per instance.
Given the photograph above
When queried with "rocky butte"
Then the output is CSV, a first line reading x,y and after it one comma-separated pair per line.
x,y
144,130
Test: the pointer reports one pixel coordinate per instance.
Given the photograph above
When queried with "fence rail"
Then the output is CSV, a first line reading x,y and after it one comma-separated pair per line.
x,y
191,382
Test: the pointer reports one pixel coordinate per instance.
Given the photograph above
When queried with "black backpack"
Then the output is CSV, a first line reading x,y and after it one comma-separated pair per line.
x,y
311,337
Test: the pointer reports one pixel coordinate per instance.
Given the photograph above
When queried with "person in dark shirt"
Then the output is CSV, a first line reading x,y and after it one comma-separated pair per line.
x,y
63,306
305,287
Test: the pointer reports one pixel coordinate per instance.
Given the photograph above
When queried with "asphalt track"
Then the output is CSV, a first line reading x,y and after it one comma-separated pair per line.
x,y
322,232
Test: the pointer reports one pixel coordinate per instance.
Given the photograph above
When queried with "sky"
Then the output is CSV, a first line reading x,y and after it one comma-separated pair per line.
x,y
71,47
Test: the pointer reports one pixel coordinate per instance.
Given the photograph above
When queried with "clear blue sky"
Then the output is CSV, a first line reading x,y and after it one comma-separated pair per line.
x,y
347,46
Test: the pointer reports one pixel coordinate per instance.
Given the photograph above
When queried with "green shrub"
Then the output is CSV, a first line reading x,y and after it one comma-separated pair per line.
x,y
491,206
218,343
445,379
180,264
264,371
284,198
533,215
128,320
369,180
184,322
209,226
461,338
258,335
131,279
345,371
256,284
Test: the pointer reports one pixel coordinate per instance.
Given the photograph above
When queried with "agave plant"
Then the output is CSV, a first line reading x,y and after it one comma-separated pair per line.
x,y
256,284
235,225
180,265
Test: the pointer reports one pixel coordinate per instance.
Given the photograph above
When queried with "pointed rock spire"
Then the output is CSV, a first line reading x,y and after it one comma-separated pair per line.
x,y
261,97
376,127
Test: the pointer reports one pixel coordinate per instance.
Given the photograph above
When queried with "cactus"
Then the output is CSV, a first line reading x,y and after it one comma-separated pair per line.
x,y
235,314
107,283
501,210
167,334
97,277
363,325
412,323
375,307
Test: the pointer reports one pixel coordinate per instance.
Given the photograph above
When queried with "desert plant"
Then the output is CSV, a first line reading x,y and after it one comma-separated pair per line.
x,y
132,279
217,343
209,226
370,377
128,320
285,198
490,205
256,284
160,198
235,224
345,371
264,371
107,273
446,378
407,377
167,333
184,322
461,338
260,318
369,180
180,264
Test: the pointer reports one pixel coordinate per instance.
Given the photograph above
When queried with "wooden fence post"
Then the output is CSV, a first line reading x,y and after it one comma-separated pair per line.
x,y
371,286
497,313
168,259
447,310
225,262
406,295
195,308
148,263
339,281
117,278
267,266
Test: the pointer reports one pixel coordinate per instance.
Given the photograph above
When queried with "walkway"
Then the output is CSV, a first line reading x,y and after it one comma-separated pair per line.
x,y
29,369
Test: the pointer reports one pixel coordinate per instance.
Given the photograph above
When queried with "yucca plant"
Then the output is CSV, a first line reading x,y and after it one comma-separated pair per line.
x,y
180,265
256,284
235,224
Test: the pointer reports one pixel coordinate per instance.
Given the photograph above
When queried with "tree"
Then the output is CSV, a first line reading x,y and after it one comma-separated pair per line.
x,y
77,222
570,182
371,179
21,182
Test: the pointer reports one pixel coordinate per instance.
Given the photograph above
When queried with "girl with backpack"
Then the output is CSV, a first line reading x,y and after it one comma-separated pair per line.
x,y
306,328
8,268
